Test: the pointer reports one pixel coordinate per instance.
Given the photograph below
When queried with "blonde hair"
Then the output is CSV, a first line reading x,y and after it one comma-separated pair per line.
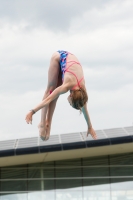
x,y
79,98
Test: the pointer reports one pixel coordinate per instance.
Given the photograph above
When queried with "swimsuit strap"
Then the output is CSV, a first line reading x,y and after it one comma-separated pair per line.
x,y
78,83
63,62
73,62
66,70
73,74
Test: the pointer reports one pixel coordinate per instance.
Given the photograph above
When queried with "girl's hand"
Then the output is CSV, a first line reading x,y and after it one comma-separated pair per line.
x,y
92,132
29,117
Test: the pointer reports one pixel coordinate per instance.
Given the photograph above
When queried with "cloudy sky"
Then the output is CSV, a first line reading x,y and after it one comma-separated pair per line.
x,y
98,32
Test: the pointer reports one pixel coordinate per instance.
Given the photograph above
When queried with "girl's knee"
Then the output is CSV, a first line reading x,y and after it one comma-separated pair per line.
x,y
50,89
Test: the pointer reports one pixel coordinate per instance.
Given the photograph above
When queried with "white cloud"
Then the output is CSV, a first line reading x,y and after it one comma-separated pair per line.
x,y
107,109
113,108
54,15
100,36
109,78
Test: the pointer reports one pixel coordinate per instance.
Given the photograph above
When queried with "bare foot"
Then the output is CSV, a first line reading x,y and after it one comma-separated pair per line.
x,y
48,127
44,131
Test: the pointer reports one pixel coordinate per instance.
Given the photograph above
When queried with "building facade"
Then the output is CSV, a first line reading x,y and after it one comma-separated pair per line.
x,y
97,173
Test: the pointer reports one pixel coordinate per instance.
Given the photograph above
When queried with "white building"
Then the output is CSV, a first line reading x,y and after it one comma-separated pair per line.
x,y
68,167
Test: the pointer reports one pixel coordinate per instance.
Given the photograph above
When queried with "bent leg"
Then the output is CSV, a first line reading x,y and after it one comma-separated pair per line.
x,y
53,74
51,109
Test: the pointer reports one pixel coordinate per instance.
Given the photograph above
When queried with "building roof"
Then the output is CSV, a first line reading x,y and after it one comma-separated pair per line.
x,y
66,146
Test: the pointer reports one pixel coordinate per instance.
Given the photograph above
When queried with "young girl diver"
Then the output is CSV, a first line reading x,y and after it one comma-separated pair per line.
x,y
65,74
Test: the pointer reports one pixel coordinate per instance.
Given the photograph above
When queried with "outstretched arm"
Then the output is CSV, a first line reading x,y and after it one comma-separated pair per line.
x,y
87,118
55,94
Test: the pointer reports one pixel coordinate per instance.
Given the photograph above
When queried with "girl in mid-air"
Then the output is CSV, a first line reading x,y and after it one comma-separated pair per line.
x,y
65,74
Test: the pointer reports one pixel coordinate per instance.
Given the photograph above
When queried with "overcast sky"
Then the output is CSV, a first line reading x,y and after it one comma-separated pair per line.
x,y
98,32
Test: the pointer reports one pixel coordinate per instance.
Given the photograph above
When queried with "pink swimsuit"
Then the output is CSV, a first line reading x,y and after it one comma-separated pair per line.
x,y
66,70
63,62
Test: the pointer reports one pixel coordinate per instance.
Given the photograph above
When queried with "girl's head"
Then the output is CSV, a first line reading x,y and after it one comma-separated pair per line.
x,y
78,98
